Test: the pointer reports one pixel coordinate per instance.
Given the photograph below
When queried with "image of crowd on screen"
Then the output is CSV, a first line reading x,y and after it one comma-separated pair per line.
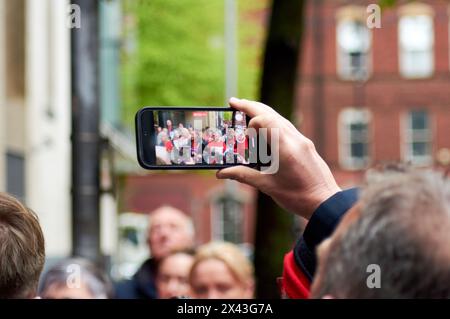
x,y
184,145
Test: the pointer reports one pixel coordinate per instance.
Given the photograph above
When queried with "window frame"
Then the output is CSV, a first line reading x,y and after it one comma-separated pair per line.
x,y
355,14
218,231
15,181
416,10
349,116
408,139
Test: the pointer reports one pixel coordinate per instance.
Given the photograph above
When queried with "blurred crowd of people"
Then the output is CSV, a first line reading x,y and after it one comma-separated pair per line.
x,y
185,145
177,269
388,239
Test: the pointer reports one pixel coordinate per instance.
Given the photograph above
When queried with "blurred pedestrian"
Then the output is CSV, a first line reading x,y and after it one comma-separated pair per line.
x,y
221,271
22,250
75,278
394,243
169,229
172,279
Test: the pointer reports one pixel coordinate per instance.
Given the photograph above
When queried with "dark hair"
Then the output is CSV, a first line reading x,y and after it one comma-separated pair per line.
x,y
404,229
22,249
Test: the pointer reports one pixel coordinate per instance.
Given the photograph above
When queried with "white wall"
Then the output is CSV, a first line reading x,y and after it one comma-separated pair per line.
x,y
48,137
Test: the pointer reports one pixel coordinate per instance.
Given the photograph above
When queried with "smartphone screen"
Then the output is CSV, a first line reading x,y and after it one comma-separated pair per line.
x,y
193,138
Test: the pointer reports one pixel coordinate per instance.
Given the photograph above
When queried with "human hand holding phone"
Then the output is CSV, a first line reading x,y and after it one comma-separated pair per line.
x,y
303,180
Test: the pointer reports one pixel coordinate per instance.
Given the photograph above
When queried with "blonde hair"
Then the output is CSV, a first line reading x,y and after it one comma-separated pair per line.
x,y
228,253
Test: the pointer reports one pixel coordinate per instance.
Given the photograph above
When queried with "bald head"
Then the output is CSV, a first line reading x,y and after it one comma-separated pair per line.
x,y
170,229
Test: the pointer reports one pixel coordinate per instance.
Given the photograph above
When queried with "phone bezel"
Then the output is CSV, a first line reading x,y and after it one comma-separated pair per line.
x,y
147,150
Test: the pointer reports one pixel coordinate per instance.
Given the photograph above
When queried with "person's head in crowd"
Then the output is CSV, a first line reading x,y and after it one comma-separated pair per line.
x,y
22,250
172,279
395,243
169,229
159,129
221,271
75,278
164,137
180,126
216,137
205,135
185,133
169,124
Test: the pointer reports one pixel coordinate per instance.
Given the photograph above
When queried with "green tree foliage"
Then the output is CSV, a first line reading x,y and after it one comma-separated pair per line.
x,y
387,3
252,31
178,53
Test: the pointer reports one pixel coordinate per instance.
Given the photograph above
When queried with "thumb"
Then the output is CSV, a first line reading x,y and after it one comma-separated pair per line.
x,y
242,174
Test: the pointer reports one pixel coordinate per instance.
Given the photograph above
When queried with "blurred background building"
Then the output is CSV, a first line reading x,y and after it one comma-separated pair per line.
x,y
35,113
368,96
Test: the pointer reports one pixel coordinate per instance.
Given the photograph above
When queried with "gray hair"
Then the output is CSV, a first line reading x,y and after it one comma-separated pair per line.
x,y
404,229
97,282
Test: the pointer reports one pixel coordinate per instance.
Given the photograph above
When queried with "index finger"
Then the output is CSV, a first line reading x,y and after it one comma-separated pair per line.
x,y
251,108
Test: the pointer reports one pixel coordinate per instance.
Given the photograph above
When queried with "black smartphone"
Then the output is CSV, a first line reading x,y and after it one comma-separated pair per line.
x,y
194,138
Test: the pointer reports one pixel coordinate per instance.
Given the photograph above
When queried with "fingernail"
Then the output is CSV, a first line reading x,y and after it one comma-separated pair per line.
x,y
234,100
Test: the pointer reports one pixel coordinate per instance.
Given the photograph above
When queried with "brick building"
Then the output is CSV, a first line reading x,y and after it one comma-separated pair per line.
x,y
368,96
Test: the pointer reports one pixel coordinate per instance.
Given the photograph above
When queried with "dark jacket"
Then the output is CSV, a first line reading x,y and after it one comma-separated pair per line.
x,y
300,263
141,285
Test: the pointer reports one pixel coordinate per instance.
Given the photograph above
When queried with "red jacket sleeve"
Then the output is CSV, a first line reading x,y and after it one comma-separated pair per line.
x,y
296,284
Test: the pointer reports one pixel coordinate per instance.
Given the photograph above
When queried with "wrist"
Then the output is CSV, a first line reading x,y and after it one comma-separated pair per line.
x,y
318,196
327,216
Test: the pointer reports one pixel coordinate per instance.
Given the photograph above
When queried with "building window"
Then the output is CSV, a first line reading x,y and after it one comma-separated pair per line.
x,y
228,220
15,176
418,138
354,138
416,50
353,44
